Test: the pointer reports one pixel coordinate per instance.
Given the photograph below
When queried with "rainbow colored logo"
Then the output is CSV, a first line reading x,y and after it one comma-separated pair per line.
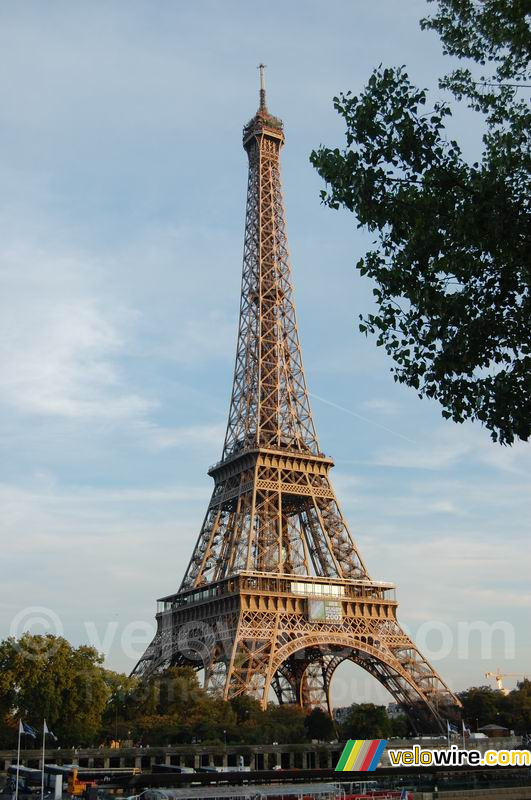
x,y
361,755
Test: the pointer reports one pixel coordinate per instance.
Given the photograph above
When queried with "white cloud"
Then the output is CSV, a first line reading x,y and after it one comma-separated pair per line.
x,y
452,580
199,340
95,554
500,599
443,506
58,342
456,444
360,417
514,459
430,456
380,404
69,322
192,436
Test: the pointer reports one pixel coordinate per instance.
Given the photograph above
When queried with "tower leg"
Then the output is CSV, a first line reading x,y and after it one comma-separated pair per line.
x,y
284,687
307,684
248,670
315,686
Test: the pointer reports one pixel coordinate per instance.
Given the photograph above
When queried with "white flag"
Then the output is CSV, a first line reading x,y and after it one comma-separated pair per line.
x,y
46,730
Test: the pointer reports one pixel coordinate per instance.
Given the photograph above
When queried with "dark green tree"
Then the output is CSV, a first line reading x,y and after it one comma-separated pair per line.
x,y
319,725
171,707
366,721
245,708
451,266
284,724
401,727
121,707
482,706
517,708
45,677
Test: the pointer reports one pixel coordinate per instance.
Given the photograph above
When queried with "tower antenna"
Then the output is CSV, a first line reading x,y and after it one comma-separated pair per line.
x,y
263,106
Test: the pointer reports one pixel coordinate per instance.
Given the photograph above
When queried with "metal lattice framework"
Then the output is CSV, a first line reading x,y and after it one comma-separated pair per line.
x,y
276,594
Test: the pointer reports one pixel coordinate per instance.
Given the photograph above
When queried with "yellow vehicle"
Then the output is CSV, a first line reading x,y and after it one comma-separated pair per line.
x,y
77,786
79,781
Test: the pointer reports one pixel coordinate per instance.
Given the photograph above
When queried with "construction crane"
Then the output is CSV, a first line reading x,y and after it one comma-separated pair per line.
x,y
499,676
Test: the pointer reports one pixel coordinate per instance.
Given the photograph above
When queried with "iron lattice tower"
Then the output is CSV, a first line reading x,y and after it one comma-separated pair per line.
x,y
276,594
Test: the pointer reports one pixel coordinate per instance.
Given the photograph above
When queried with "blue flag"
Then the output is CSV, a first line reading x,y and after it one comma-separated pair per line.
x,y
27,730
452,728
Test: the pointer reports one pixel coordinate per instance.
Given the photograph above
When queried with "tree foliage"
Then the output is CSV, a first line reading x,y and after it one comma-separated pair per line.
x,y
451,265
485,706
86,704
45,677
481,706
366,721
319,725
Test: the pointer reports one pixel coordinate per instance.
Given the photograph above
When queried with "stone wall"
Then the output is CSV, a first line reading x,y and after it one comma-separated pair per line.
x,y
295,756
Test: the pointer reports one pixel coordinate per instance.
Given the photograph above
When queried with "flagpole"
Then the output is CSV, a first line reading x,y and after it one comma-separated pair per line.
x,y
43,757
18,759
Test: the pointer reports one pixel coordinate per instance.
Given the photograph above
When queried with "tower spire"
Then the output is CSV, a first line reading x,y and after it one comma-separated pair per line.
x,y
263,106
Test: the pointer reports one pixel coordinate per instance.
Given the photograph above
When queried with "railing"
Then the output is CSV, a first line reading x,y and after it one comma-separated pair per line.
x,y
242,450
316,586
268,583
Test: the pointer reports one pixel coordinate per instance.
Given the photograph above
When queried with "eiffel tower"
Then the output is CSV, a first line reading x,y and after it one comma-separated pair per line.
x,y
276,594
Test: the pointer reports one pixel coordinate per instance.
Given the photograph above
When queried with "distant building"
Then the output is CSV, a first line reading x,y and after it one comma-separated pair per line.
x,y
394,710
341,713
494,730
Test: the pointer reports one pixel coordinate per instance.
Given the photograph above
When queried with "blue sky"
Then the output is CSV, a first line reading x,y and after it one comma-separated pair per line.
x,y
122,206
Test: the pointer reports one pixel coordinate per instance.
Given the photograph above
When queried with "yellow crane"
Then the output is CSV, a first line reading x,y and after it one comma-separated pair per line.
x,y
499,676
